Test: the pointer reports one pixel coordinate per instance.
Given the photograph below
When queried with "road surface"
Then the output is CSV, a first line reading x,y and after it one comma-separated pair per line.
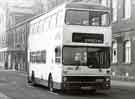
x,y
13,85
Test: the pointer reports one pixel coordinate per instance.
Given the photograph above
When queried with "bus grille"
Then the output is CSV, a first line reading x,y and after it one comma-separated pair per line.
x,y
82,78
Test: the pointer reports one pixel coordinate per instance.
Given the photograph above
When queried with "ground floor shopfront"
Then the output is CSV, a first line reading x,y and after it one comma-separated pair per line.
x,y
17,60
123,54
14,60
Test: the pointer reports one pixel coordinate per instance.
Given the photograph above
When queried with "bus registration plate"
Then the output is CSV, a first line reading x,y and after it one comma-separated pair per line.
x,y
87,88
99,80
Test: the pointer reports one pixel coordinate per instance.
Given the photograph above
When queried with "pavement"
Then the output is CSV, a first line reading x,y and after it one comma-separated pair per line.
x,y
123,84
114,82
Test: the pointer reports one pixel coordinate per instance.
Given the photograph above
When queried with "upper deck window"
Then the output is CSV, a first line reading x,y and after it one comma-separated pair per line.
x,y
87,18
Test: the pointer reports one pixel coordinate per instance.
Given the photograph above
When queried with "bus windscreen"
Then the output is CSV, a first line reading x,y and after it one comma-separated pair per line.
x,y
87,56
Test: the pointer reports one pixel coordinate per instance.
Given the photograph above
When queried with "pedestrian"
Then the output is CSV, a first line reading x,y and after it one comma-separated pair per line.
x,y
6,65
16,66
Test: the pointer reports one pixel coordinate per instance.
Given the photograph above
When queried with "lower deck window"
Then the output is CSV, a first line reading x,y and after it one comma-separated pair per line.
x,y
38,56
57,54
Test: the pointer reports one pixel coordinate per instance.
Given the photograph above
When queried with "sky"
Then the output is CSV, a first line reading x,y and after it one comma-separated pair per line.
x,y
25,3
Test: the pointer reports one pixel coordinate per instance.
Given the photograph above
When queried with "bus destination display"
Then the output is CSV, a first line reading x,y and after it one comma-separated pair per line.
x,y
87,38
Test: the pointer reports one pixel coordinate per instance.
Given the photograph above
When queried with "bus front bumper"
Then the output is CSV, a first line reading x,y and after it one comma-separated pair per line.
x,y
98,84
86,85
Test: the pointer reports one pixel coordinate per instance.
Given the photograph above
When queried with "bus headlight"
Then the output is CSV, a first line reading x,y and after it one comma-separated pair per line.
x,y
64,79
107,79
65,72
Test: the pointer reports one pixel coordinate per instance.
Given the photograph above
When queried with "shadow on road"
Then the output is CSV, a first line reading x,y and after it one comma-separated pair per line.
x,y
75,92
84,93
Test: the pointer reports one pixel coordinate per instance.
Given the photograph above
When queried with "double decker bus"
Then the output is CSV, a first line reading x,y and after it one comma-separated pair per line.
x,y
69,48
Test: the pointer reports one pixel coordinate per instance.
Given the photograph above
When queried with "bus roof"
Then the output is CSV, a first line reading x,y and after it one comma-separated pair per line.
x,y
72,5
78,5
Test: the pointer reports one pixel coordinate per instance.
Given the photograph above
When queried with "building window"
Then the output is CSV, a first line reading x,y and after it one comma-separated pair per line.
x,y
106,3
126,9
105,16
114,10
114,52
127,52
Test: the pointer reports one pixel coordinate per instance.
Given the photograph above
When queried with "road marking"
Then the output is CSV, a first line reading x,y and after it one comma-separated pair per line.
x,y
29,86
53,93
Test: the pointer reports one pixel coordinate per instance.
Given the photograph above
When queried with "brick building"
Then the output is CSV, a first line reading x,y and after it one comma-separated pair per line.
x,y
123,45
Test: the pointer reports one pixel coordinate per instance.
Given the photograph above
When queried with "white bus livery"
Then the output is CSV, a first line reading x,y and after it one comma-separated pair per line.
x,y
69,47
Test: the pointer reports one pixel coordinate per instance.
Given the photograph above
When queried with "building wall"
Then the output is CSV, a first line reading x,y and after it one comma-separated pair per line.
x,y
124,30
2,27
17,47
123,24
3,39
16,13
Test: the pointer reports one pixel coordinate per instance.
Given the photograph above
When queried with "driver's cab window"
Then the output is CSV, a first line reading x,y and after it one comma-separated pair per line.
x,y
80,58
92,58
57,55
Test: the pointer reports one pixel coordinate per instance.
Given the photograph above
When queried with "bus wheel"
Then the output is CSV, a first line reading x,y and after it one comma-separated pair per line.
x,y
93,91
50,84
33,78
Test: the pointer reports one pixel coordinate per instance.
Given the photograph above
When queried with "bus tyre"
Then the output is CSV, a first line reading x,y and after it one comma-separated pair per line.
x,y
93,91
50,84
33,78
